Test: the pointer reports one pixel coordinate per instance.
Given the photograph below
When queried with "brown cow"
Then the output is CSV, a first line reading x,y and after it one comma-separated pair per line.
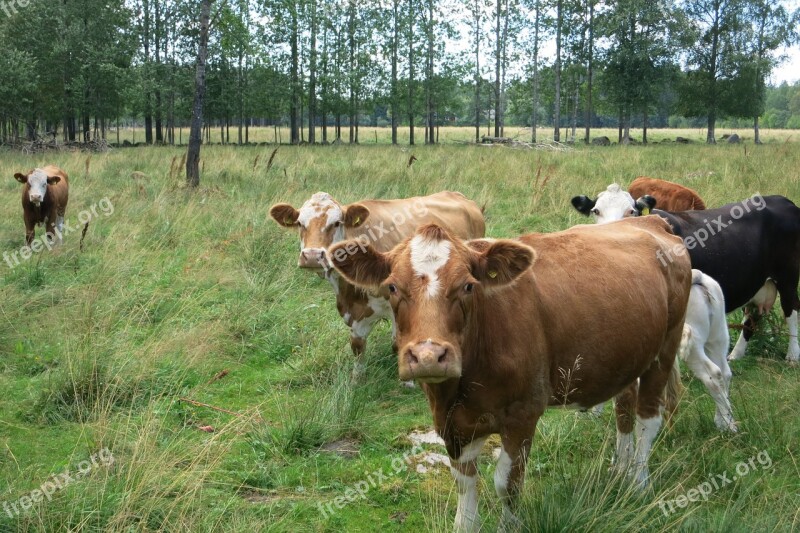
x,y
669,196
322,221
44,201
498,330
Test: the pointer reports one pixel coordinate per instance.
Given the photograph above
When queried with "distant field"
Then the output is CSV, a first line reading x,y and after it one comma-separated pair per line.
x,y
369,135
173,287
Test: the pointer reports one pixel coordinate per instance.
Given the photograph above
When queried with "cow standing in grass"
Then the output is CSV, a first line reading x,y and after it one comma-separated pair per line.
x,y
44,201
498,330
322,222
751,248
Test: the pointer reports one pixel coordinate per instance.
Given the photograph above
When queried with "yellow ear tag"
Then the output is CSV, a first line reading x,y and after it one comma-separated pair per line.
x,y
645,211
288,221
357,221
492,274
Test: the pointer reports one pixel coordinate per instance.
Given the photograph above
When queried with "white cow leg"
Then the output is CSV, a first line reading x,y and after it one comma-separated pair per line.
x,y
597,410
646,431
465,472
793,355
623,452
713,379
741,345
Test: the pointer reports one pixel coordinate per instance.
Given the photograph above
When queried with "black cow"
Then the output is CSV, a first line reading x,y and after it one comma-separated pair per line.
x,y
751,248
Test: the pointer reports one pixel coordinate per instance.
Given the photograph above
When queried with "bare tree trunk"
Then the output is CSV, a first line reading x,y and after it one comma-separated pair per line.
x,y
294,105
312,77
193,157
395,44
477,30
589,72
535,101
497,49
557,103
410,72
756,131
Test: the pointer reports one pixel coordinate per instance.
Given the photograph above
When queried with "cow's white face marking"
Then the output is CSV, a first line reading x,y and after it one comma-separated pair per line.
x,y
613,204
320,204
38,186
427,257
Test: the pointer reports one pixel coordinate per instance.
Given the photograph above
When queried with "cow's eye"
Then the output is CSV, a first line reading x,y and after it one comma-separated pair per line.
x,y
392,288
632,212
596,211
468,288
337,223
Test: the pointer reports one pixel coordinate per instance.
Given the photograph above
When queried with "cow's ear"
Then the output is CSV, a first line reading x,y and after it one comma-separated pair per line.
x,y
361,265
22,178
501,262
645,204
583,204
355,215
52,180
284,214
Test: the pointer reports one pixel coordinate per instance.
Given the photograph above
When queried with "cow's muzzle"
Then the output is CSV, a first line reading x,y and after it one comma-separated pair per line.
x,y
36,200
313,258
429,362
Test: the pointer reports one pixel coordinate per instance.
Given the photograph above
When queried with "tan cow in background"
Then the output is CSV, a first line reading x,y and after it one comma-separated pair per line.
x,y
44,201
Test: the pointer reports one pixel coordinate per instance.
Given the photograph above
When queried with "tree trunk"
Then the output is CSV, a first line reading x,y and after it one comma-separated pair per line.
x,y
535,89
294,105
395,43
497,48
430,138
557,103
193,156
589,72
410,72
312,77
756,131
477,30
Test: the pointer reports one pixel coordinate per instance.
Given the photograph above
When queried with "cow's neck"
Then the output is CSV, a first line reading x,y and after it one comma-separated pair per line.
x,y
492,374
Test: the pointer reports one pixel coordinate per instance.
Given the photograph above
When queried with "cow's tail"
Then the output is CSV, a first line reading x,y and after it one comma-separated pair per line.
x,y
673,392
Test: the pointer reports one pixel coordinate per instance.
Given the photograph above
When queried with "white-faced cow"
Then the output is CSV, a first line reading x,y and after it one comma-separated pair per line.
x,y
498,330
322,221
44,201
669,196
751,248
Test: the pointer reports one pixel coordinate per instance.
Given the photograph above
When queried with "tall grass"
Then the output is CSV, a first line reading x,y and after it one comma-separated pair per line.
x,y
118,345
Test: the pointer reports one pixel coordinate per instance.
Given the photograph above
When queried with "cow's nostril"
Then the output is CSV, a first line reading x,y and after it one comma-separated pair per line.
x,y
412,358
442,357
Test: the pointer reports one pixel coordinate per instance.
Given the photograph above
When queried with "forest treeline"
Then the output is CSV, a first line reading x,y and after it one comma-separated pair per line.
x,y
78,69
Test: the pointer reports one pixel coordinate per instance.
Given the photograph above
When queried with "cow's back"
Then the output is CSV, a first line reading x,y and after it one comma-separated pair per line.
x,y
604,295
669,196
392,221
747,250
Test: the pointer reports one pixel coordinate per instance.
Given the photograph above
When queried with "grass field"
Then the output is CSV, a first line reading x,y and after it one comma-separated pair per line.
x,y
175,287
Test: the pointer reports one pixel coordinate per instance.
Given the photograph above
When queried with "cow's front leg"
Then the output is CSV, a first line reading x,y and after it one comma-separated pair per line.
x,y
465,472
30,232
509,475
